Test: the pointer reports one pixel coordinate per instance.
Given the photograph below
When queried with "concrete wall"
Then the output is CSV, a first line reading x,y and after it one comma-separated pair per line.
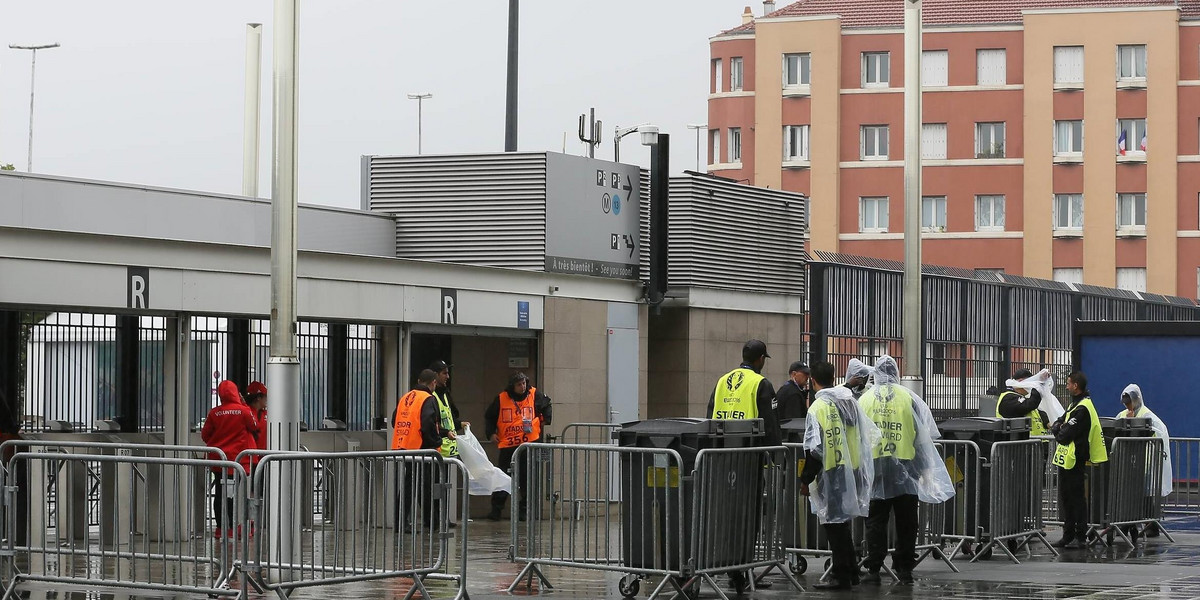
x,y
690,348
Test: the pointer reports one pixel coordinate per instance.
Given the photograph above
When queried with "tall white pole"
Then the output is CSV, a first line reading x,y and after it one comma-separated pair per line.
x,y
283,366
250,120
420,98
32,84
912,196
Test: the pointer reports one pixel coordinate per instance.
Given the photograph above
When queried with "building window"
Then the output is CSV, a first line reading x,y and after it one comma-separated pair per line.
x,y
935,68
989,213
933,141
1072,275
735,74
1068,138
795,142
873,215
991,67
717,76
1132,279
1068,64
1131,210
874,142
875,69
715,143
1131,136
989,140
1068,211
797,69
1131,62
735,144
933,213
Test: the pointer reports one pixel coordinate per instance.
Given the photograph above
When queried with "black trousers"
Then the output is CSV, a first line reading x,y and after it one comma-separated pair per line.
x,y
841,546
504,461
904,557
1072,500
222,504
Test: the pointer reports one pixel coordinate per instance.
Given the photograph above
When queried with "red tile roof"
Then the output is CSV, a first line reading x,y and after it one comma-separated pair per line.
x,y
890,13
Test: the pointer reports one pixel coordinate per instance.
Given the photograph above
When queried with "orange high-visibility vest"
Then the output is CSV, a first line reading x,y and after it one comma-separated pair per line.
x,y
511,424
406,430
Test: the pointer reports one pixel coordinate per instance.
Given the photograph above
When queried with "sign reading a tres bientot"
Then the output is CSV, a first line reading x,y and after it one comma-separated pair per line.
x,y
592,217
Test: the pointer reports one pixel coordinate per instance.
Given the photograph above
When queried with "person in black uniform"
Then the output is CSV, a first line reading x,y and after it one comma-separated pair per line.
x,y
793,397
1074,428
754,358
1019,403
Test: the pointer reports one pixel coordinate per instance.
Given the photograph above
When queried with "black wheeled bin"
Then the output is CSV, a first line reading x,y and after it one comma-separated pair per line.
x,y
650,528
800,527
984,431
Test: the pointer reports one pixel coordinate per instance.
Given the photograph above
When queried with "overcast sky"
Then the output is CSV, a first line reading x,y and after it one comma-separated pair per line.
x,y
151,91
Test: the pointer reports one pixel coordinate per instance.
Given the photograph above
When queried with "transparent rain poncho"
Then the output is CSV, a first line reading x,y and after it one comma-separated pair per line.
x,y
841,493
1160,430
1043,382
925,475
857,368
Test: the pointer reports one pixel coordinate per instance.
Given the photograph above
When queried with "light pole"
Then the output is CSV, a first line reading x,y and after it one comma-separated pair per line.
x,y
698,128
911,377
32,78
250,112
420,98
620,133
660,159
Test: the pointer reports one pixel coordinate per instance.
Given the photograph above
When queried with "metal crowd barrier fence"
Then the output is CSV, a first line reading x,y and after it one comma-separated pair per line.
x,y
147,537
1129,489
1185,464
677,525
1015,509
1050,508
589,434
389,519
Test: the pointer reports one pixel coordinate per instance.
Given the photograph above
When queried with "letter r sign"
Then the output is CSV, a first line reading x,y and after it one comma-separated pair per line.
x,y
138,287
449,308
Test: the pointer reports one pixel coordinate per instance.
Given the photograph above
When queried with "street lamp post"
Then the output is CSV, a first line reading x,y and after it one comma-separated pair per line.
x,y
420,98
698,128
911,376
32,78
620,133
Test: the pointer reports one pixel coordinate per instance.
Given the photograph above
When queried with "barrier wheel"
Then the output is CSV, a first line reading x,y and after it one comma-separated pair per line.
x,y
987,554
798,565
629,586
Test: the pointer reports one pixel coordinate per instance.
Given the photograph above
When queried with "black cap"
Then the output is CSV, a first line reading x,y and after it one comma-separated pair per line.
x,y
753,350
1023,374
438,366
800,366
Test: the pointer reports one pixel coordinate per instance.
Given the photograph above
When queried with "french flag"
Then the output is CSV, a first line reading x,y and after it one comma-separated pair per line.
x,y
1121,143
1143,147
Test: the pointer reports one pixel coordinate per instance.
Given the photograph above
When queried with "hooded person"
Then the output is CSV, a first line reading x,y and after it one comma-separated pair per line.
x,y
518,415
1029,395
1135,407
857,374
838,439
908,469
232,428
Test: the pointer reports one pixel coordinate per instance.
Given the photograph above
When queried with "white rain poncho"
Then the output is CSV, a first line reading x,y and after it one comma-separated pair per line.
x,y
839,494
857,368
1160,430
1043,382
925,475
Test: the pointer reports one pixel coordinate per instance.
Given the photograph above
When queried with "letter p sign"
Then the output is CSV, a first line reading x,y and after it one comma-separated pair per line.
x,y
138,287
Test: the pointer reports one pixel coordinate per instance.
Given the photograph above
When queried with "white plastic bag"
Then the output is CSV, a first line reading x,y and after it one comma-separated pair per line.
x,y
1043,382
485,477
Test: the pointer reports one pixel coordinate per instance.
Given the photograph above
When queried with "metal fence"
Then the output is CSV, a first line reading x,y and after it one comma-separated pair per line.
x,y
1014,511
978,328
1126,496
1184,498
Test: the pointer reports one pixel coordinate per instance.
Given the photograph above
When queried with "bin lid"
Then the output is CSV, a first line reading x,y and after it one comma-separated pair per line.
x,y
693,426
985,424
796,424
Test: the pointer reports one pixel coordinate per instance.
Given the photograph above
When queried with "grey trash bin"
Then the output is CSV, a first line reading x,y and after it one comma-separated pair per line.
x,y
650,492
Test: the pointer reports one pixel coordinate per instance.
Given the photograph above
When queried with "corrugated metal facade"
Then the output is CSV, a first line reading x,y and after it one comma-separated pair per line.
x,y
473,209
726,235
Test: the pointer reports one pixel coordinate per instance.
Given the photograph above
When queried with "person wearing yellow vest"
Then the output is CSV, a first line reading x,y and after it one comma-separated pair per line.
x,y
1080,441
908,470
838,439
744,393
448,415
517,416
415,426
1015,403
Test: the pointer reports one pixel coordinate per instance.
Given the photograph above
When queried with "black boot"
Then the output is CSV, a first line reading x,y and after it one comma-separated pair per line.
x,y
833,583
1067,540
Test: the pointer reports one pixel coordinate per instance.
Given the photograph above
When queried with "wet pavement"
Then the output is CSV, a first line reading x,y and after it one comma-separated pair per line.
x,y
1154,570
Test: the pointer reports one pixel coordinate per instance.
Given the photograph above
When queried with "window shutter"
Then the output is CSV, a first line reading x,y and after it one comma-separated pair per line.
x,y
992,67
934,68
933,141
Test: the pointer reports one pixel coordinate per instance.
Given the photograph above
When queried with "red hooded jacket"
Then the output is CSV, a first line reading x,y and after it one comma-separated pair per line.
x,y
231,426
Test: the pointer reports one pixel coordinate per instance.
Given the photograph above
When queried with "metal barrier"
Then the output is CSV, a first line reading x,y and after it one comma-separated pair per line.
x,y
1015,494
390,521
1185,462
668,523
589,433
147,539
1130,490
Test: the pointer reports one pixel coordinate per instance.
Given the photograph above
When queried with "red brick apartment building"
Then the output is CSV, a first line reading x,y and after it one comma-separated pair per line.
x,y
1027,106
